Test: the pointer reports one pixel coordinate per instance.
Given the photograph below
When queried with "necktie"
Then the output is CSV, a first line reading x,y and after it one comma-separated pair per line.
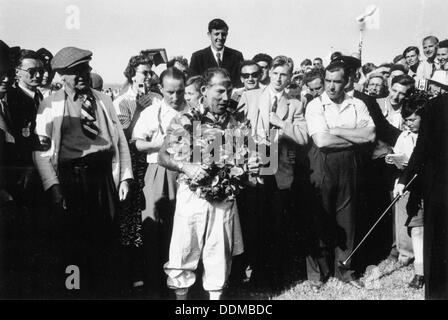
x,y
37,98
274,105
218,58
88,118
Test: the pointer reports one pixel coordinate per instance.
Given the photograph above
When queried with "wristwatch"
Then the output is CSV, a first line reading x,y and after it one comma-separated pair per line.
x,y
180,166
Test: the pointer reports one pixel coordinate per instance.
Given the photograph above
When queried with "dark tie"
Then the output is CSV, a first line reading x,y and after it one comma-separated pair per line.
x,y
218,58
88,118
38,97
274,105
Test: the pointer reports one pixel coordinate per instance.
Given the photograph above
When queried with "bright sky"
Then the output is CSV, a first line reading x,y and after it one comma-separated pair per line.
x,y
114,30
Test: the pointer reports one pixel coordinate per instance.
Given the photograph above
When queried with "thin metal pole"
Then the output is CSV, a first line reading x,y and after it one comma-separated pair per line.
x,y
377,221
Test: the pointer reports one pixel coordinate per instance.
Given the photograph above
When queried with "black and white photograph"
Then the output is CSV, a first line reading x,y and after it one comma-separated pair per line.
x,y
235,150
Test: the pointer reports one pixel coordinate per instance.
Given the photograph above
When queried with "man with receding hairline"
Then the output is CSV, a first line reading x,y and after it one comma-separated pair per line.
x,y
427,67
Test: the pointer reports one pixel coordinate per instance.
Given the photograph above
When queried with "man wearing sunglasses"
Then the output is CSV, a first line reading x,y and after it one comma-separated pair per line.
x,y
85,165
250,77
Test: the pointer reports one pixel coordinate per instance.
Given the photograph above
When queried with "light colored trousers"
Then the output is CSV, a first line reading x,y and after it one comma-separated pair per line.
x,y
402,238
201,229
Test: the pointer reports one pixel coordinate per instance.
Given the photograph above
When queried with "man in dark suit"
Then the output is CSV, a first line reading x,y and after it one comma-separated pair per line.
x,y
217,55
429,160
23,101
22,182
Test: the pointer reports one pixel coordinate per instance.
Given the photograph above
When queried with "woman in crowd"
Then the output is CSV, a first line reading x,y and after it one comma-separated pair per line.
x,y
128,106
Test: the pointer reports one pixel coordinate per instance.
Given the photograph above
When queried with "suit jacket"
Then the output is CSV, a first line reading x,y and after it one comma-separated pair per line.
x,y
203,59
22,113
255,105
48,127
430,156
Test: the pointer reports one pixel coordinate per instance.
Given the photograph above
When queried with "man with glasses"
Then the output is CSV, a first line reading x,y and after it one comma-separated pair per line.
x,y
85,166
250,77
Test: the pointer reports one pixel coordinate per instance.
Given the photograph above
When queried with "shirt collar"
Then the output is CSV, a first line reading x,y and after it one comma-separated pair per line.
x,y
276,93
216,51
348,100
28,92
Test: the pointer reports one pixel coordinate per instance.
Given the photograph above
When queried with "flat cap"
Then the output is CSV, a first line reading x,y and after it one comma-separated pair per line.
x,y
70,57
350,62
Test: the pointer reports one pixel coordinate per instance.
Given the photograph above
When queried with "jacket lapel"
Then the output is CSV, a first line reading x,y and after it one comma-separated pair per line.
x,y
283,107
263,106
210,57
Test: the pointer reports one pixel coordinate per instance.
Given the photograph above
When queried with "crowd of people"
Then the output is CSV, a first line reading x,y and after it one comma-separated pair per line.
x,y
90,181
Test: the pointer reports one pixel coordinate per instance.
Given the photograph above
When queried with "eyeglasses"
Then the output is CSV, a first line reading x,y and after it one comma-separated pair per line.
x,y
33,71
247,75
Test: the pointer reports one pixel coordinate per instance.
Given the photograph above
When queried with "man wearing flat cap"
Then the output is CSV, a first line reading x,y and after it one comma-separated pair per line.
x,y
85,166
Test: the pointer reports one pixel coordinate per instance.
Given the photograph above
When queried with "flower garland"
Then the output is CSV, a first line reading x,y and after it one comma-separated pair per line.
x,y
221,144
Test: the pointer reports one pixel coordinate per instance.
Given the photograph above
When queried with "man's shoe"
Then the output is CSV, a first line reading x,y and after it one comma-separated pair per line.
x,y
418,282
316,285
356,283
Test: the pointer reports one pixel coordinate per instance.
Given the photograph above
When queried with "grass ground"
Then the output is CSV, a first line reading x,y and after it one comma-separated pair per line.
x,y
387,281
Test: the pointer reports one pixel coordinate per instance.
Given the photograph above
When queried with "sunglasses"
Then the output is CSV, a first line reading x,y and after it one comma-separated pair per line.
x,y
247,75
33,71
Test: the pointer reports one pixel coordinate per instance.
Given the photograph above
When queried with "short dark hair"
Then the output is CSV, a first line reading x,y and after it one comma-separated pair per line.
x,y
212,72
183,61
246,63
317,58
416,103
306,62
436,40
335,55
443,43
368,67
27,54
313,75
386,65
409,49
217,24
197,81
133,63
398,66
263,57
172,73
404,80
336,66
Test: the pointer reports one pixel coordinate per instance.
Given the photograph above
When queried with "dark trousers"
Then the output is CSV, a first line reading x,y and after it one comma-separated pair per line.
x,y
269,229
335,177
21,237
375,196
435,250
86,234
